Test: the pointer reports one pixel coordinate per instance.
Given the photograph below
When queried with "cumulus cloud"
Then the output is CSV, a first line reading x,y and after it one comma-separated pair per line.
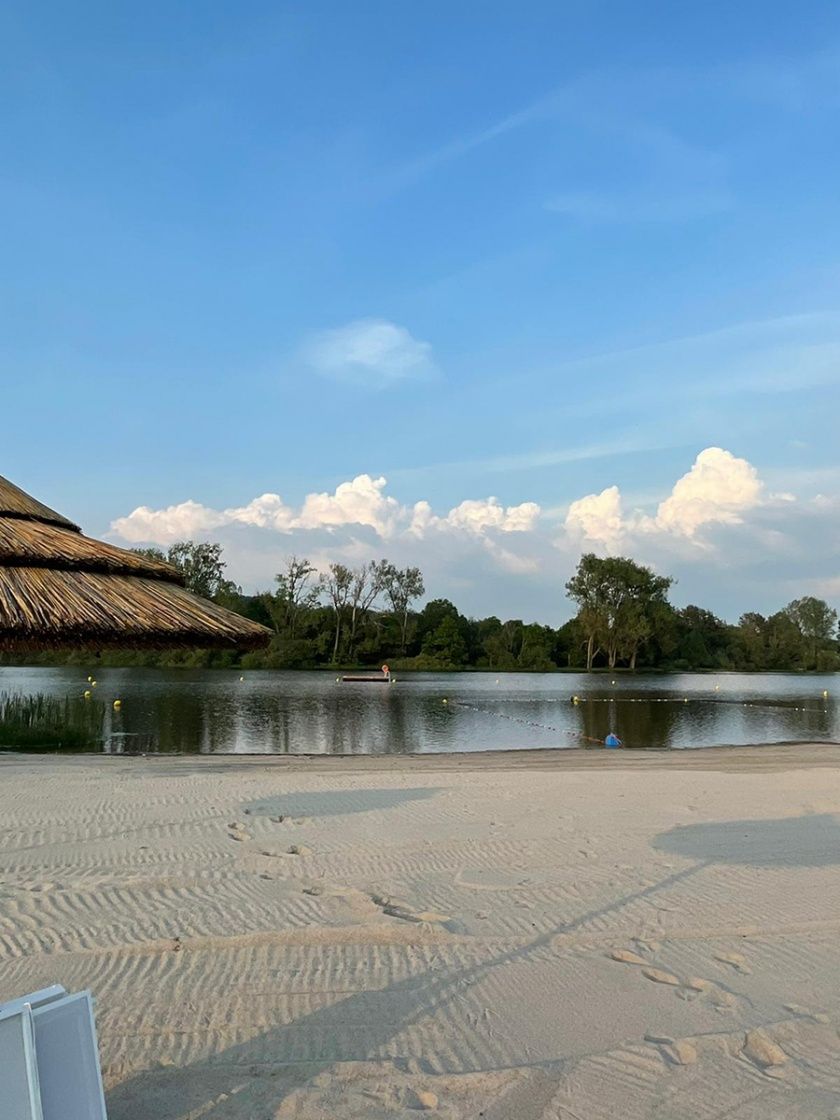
x,y
718,489
358,502
361,502
164,526
597,518
476,516
718,515
372,352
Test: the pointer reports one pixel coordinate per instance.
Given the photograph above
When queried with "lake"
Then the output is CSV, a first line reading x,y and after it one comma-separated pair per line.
x,y
230,712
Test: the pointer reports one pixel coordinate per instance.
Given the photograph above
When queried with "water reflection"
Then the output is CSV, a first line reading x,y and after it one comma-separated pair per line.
x,y
288,713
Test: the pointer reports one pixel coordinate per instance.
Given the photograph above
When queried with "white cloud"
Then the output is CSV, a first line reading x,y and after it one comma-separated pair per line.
x,y
371,352
269,511
164,526
597,518
717,518
718,489
360,502
476,516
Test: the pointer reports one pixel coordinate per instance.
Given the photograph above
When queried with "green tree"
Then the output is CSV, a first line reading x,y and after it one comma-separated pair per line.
x,y
616,600
151,553
816,622
537,646
338,582
784,642
446,643
402,587
752,636
297,591
586,588
367,585
201,565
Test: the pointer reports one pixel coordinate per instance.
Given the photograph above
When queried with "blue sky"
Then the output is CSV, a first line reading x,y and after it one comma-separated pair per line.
x,y
532,252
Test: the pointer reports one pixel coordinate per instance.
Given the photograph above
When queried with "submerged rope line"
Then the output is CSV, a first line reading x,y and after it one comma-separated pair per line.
x,y
526,722
618,700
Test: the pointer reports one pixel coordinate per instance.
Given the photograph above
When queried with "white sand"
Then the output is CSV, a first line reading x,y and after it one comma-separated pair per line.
x,y
439,934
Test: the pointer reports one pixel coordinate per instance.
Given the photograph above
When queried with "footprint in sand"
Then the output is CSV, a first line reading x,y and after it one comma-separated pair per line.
x,y
299,850
625,956
763,1051
677,1051
693,988
723,1000
237,831
807,1013
396,908
660,977
736,961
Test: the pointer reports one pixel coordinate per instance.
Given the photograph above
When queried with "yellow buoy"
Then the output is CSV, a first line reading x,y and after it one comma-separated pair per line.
x,y
445,701
87,694
118,703
825,692
93,684
242,678
90,679
612,682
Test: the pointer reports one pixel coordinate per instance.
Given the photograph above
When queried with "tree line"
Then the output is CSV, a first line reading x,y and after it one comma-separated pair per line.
x,y
370,614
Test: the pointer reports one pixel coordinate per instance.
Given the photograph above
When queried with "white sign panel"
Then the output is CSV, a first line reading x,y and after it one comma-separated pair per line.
x,y
68,1059
19,1096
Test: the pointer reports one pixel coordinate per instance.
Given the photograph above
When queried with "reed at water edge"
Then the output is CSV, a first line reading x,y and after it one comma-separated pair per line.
x,y
50,723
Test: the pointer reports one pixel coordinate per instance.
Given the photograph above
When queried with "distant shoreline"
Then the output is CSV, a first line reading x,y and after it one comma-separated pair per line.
x,y
328,670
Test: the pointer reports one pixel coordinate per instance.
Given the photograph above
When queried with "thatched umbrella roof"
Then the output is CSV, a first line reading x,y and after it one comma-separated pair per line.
x,y
59,588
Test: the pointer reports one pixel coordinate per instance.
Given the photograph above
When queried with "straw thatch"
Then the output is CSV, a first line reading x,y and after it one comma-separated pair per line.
x,y
60,588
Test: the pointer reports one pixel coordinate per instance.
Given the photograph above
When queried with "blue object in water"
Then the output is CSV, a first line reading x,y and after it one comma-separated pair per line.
x,y
612,741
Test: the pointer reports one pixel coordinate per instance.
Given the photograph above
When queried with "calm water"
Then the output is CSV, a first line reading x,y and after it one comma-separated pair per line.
x,y
294,713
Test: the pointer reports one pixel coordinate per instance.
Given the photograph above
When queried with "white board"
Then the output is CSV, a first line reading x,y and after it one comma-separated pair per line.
x,y
68,1059
19,1095
34,999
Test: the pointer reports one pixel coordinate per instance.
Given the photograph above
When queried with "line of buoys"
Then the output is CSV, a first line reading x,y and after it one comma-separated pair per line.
x,y
527,722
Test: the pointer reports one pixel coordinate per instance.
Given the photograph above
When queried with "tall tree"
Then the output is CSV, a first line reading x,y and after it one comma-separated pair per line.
x,y
617,599
367,585
586,588
296,592
752,636
202,566
816,621
402,587
338,582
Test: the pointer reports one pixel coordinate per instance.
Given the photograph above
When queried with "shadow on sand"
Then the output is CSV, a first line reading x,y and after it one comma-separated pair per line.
x,y
808,841
336,802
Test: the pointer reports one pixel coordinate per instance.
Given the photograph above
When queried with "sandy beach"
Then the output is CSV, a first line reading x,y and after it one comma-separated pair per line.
x,y
524,936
